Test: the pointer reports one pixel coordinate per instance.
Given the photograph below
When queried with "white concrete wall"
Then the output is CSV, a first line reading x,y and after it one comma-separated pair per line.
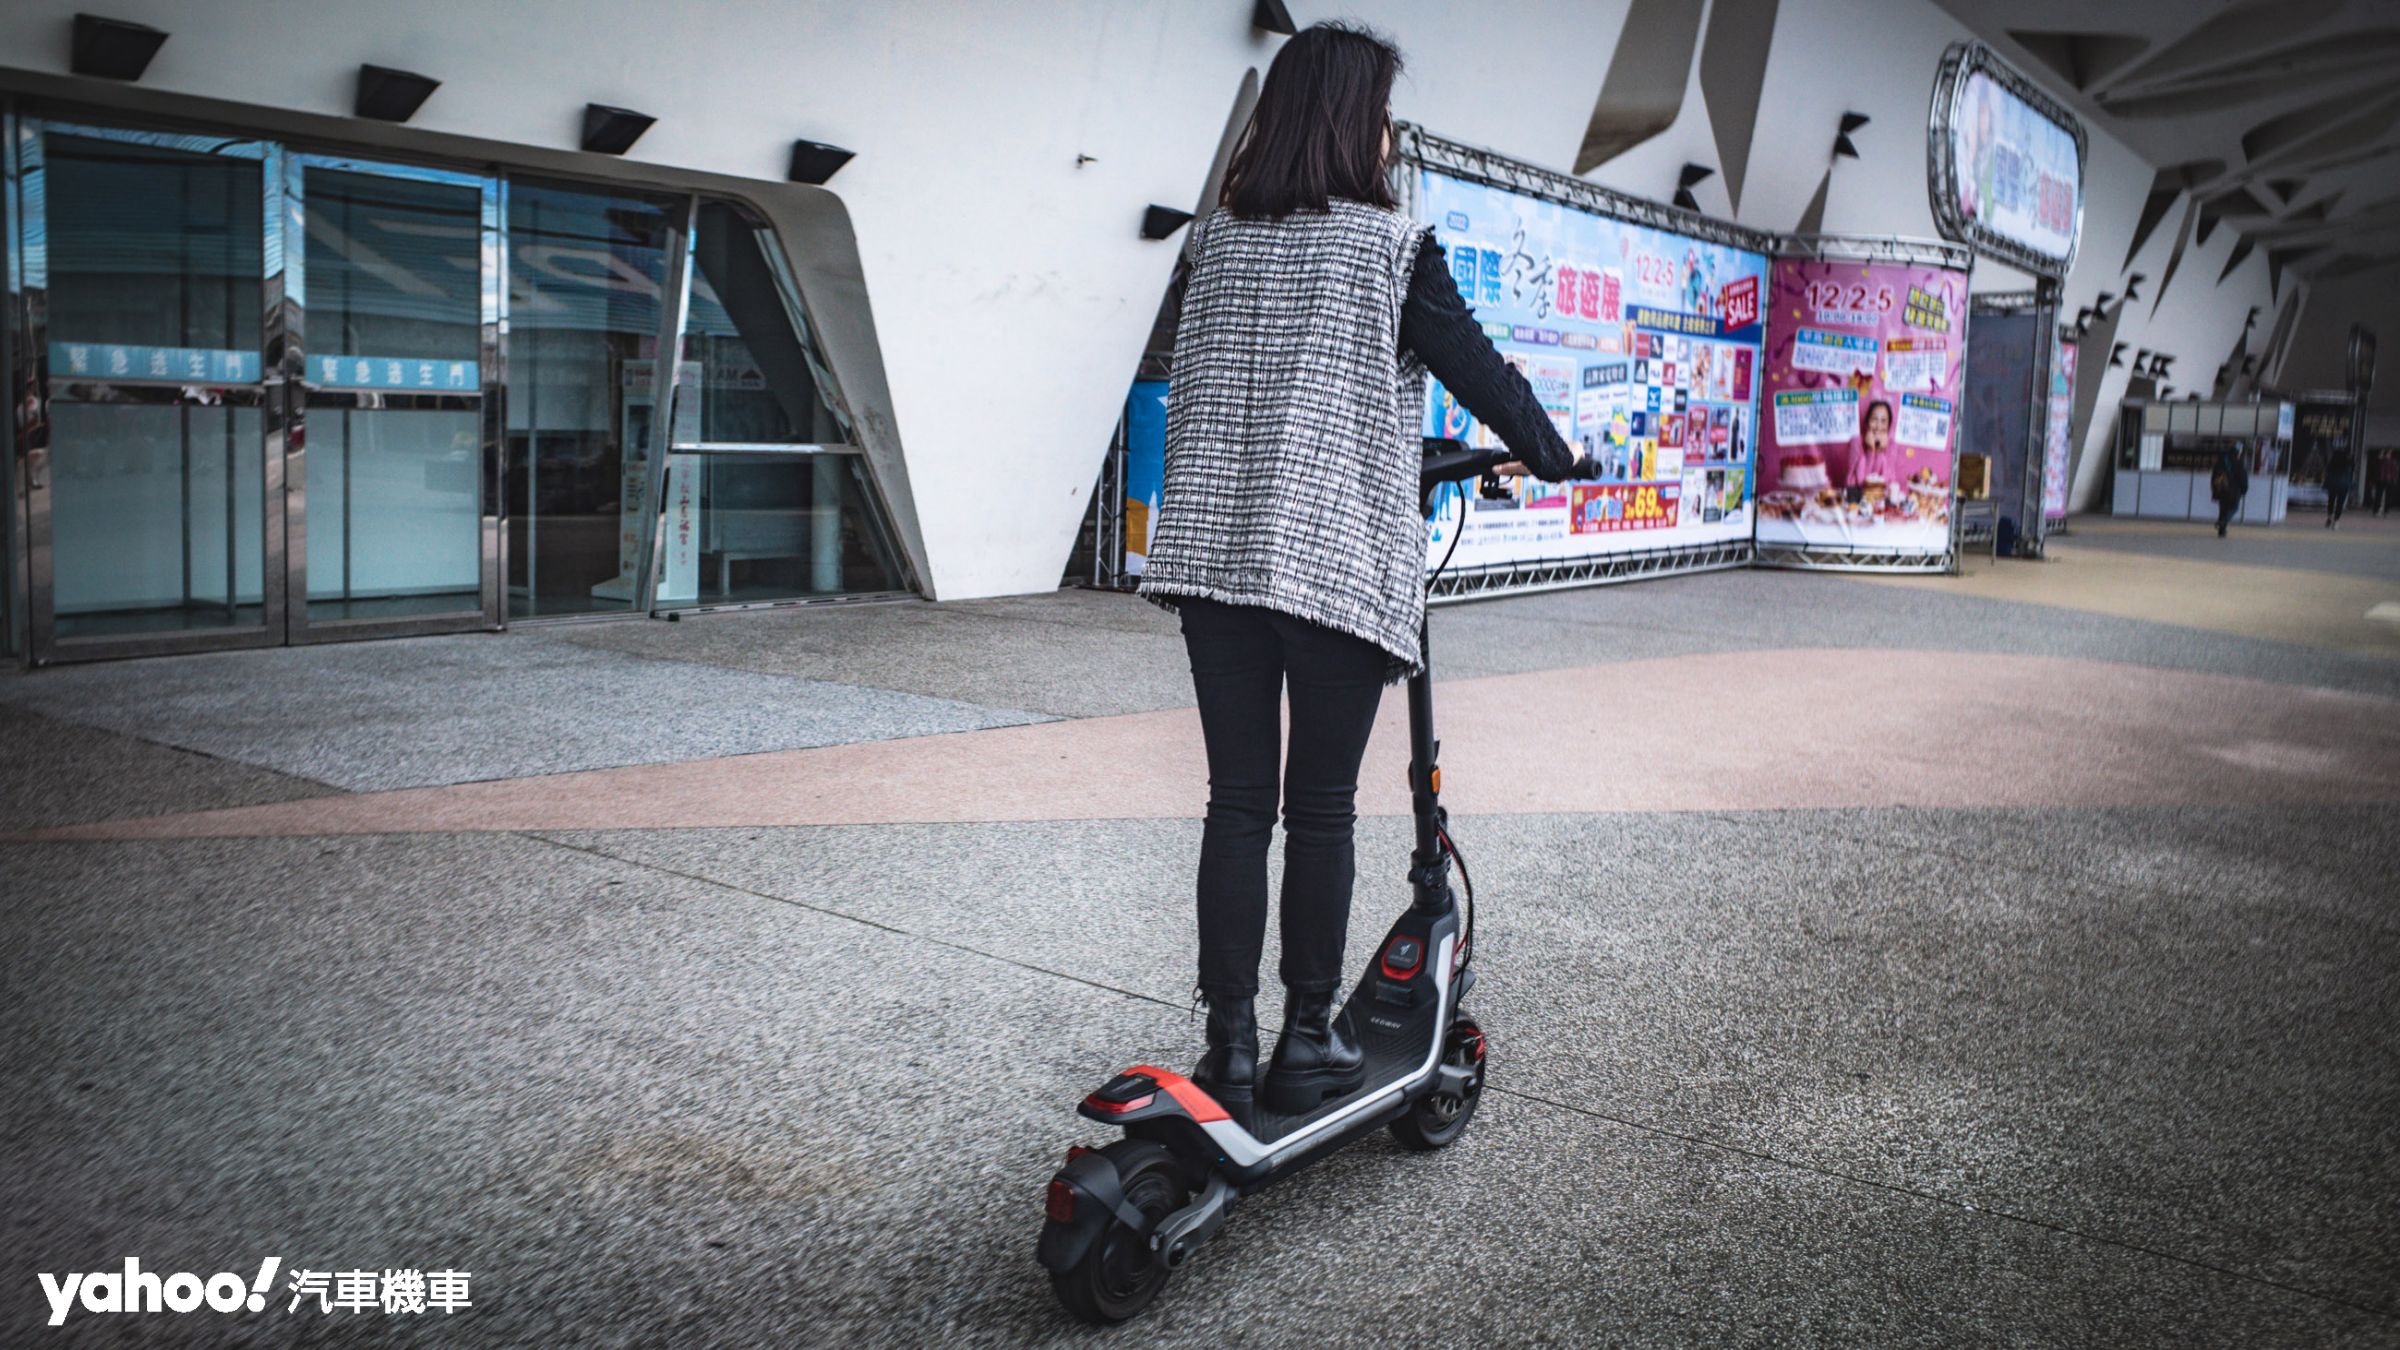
x,y
1011,290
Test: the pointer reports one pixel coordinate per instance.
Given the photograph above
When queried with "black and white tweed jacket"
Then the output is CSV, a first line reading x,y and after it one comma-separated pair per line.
x,y
1292,427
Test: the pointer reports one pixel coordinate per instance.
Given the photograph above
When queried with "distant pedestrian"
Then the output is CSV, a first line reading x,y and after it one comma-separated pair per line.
x,y
2229,482
2337,485
2383,480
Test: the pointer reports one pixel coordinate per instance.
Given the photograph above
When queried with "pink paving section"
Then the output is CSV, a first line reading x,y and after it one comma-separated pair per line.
x,y
1730,731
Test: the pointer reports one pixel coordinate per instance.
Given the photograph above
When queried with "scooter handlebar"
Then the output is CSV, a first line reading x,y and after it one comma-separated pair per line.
x,y
1450,461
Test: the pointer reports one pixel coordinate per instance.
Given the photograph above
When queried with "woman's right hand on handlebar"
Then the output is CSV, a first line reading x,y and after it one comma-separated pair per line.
x,y
1515,468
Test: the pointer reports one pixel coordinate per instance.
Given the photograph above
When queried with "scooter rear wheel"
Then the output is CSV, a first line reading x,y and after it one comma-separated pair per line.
x,y
1120,1275
1438,1118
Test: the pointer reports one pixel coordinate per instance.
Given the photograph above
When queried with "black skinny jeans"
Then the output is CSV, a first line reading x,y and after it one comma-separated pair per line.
x,y
1243,658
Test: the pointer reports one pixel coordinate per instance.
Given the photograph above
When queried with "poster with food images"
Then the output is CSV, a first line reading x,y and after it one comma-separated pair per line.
x,y
1643,346
1863,373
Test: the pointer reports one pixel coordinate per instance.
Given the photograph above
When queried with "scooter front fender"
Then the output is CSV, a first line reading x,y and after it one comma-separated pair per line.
x,y
1099,1198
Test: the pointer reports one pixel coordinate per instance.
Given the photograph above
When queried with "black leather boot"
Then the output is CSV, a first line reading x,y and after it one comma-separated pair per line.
x,y
1314,1060
1230,1067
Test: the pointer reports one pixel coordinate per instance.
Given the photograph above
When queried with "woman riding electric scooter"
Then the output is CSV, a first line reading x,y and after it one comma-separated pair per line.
x,y
1290,538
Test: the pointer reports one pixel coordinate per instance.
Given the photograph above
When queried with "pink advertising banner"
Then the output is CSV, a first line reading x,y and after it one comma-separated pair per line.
x,y
2058,449
1863,372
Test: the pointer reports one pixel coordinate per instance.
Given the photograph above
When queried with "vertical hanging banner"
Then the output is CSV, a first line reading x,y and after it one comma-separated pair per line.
x,y
1866,346
1145,467
2058,449
1639,328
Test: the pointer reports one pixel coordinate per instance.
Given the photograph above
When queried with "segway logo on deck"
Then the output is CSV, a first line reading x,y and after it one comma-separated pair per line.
x,y
135,1290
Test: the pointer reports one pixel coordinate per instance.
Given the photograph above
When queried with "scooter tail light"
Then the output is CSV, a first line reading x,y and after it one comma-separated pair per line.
x,y
1075,1151
1059,1205
1120,1108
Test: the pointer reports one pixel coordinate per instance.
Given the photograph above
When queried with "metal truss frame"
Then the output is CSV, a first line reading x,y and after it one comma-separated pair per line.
x,y
1415,147
1605,569
1798,557
1907,252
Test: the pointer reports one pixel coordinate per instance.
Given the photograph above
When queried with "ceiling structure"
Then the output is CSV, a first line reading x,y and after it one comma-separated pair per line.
x,y
2276,119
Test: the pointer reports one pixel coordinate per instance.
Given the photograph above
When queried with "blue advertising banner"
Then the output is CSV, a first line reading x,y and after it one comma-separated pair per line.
x,y
118,361
1145,466
1645,348
395,372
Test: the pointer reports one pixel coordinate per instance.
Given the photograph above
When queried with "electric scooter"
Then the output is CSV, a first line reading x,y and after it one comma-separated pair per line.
x,y
1120,1219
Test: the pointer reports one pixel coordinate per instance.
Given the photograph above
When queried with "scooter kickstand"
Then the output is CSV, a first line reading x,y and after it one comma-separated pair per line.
x,y
1180,1234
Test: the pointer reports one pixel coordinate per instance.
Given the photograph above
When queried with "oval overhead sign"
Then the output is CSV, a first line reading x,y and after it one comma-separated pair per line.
x,y
2006,163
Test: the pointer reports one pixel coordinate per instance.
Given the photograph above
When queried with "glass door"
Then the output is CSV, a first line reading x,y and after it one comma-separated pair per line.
x,y
152,443
393,362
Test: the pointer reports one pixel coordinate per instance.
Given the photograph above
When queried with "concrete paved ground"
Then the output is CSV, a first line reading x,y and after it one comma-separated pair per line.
x,y
2108,1062
2295,583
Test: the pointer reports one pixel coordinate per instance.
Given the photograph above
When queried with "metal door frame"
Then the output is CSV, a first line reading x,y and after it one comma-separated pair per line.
x,y
13,566
43,645
488,400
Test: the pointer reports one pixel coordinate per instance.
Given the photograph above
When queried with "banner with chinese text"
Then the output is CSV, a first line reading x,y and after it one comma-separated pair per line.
x,y
1644,347
1862,384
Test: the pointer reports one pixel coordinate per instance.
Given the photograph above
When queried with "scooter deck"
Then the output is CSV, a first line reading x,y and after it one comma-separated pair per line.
x,y
1395,1040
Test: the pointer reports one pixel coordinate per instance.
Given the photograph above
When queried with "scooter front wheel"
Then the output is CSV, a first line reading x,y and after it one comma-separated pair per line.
x,y
1439,1117
1119,1275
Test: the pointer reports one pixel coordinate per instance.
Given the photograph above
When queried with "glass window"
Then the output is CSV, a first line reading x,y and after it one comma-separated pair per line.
x,y
393,512
756,527
395,267
156,514
586,272
761,382
153,247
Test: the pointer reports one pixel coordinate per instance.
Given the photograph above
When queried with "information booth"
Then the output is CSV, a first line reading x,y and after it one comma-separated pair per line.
x,y
2166,452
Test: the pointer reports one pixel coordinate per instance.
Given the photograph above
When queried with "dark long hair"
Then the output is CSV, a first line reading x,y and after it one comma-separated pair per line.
x,y
1317,132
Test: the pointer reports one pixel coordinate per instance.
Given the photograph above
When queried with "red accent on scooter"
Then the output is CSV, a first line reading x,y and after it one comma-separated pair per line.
x,y
1187,1094
1416,960
1059,1205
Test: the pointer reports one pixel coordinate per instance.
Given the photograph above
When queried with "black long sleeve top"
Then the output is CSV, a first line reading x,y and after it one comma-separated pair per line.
x,y
1436,324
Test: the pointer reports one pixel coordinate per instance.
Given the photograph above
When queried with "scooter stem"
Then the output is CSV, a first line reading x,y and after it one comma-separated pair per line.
x,y
1427,874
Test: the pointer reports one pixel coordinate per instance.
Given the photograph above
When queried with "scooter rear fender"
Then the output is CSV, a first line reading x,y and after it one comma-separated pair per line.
x,y
1099,1197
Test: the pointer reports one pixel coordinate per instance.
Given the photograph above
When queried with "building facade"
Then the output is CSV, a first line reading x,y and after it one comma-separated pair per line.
x,y
288,369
